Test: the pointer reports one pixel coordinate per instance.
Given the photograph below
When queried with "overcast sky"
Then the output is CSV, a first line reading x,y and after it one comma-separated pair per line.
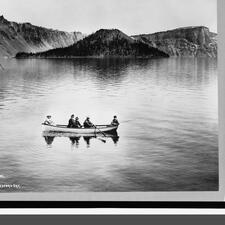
x,y
130,16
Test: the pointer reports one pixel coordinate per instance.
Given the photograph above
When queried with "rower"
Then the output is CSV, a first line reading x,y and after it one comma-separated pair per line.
x,y
48,121
115,121
77,123
88,123
71,122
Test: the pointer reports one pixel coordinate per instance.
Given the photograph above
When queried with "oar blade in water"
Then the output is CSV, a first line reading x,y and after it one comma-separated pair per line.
x,y
100,139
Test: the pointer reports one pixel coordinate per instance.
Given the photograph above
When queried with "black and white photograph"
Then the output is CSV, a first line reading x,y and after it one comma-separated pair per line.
x,y
108,96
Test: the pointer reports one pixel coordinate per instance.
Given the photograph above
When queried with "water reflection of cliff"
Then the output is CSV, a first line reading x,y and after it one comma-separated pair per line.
x,y
75,140
34,76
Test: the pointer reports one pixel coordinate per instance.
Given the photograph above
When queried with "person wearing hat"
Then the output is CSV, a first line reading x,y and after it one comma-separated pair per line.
x,y
115,121
71,122
88,123
77,123
48,121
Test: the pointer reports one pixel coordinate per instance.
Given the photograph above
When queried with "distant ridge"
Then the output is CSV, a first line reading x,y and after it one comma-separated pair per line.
x,y
25,37
186,41
18,39
103,43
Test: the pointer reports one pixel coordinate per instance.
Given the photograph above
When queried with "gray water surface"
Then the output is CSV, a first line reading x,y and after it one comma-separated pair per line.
x,y
167,137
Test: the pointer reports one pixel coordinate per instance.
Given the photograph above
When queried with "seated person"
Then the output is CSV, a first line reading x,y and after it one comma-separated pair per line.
x,y
71,122
77,123
48,121
88,123
115,122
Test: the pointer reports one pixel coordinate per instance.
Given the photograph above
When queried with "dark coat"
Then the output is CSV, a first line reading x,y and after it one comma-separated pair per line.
x,y
115,122
88,124
77,124
71,123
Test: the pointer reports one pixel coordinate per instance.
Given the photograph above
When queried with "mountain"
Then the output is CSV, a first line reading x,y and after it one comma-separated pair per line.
x,y
187,41
25,37
104,43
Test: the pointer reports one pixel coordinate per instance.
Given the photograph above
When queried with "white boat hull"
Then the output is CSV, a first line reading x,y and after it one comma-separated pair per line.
x,y
65,129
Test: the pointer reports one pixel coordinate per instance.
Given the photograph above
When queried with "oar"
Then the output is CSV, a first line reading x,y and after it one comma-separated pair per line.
x,y
101,133
100,139
2,67
126,121
99,130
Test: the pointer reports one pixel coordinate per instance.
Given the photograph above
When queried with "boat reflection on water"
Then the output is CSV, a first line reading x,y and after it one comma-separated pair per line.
x,y
49,140
87,140
75,139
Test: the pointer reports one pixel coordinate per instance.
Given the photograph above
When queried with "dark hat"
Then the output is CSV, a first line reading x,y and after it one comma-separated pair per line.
x,y
49,116
115,116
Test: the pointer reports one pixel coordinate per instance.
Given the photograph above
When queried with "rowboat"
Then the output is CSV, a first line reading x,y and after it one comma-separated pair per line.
x,y
113,134
93,130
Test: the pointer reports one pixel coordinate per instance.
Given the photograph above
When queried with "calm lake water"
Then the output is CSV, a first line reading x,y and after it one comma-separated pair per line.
x,y
167,137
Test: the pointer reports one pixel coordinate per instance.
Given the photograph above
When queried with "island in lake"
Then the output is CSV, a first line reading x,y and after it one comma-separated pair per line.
x,y
103,43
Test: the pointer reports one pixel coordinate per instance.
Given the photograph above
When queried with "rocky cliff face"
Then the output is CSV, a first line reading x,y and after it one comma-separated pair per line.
x,y
16,37
103,43
189,41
